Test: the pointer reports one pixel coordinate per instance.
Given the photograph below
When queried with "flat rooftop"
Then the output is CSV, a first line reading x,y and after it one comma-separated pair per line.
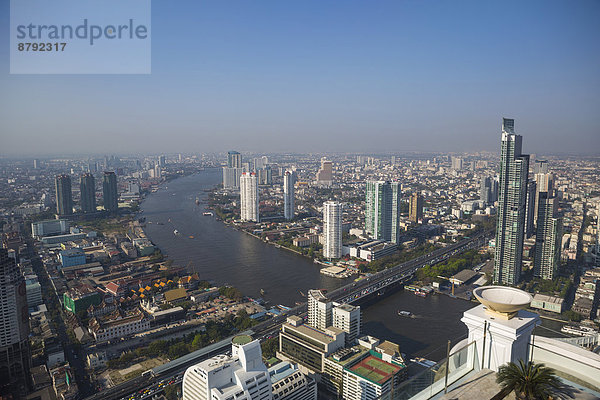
x,y
310,332
375,369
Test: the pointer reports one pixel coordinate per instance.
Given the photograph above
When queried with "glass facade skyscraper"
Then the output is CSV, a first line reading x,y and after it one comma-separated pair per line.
x,y
110,192
64,197
87,186
512,198
383,210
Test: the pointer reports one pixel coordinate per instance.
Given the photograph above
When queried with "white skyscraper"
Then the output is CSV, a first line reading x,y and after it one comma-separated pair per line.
x,y
332,229
288,194
249,197
241,375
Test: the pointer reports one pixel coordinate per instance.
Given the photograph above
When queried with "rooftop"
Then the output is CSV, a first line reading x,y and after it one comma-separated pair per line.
x,y
375,369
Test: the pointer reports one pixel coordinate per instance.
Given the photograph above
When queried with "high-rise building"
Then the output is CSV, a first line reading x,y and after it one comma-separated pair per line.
x,y
249,197
530,209
332,229
319,309
110,193
242,375
457,163
382,212
234,159
547,238
231,177
544,184
36,163
325,173
265,175
87,186
540,167
416,208
347,318
15,358
161,160
64,197
289,383
289,178
488,190
510,227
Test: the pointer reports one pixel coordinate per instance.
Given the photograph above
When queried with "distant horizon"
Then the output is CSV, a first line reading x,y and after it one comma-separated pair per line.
x,y
311,76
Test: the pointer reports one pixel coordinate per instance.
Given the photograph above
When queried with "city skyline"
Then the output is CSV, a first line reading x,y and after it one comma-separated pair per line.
x,y
319,77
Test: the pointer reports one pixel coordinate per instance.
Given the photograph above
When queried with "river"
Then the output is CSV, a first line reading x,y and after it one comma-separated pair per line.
x,y
222,254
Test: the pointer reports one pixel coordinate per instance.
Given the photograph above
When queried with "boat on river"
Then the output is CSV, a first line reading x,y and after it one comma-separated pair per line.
x,y
176,232
404,313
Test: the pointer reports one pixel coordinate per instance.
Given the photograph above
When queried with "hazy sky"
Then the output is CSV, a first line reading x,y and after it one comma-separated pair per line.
x,y
302,75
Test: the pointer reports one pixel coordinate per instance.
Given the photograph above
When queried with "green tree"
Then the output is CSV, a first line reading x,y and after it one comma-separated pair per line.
x,y
269,347
531,381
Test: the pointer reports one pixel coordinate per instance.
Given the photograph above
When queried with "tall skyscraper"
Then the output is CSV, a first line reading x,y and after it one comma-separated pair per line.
x,y
332,229
325,173
87,186
547,238
289,178
234,159
231,177
15,358
383,210
540,167
530,209
64,197
110,192
544,184
416,208
249,197
510,227
485,190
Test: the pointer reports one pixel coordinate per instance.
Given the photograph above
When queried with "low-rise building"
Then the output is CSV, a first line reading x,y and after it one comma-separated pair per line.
x,y
548,303
72,257
117,325
80,298
96,360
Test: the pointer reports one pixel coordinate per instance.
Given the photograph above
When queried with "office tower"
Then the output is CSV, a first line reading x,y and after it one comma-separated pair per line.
x,y
393,162
234,159
36,163
249,197
325,173
510,227
64,197
242,375
416,208
347,318
307,345
457,163
332,229
231,177
289,179
161,160
383,210
15,358
530,209
319,310
109,192
87,186
548,238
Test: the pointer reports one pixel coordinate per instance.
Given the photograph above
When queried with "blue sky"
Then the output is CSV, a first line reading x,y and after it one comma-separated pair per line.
x,y
302,76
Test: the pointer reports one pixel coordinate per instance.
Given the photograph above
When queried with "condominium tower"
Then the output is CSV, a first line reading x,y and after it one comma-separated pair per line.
x,y
514,169
332,229
416,208
325,174
547,238
382,214
110,193
249,197
288,194
64,197
87,187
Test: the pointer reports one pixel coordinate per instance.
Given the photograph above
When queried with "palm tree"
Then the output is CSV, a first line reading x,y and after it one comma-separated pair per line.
x,y
531,381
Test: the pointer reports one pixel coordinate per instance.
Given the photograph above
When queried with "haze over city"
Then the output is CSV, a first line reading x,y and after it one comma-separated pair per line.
x,y
312,76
